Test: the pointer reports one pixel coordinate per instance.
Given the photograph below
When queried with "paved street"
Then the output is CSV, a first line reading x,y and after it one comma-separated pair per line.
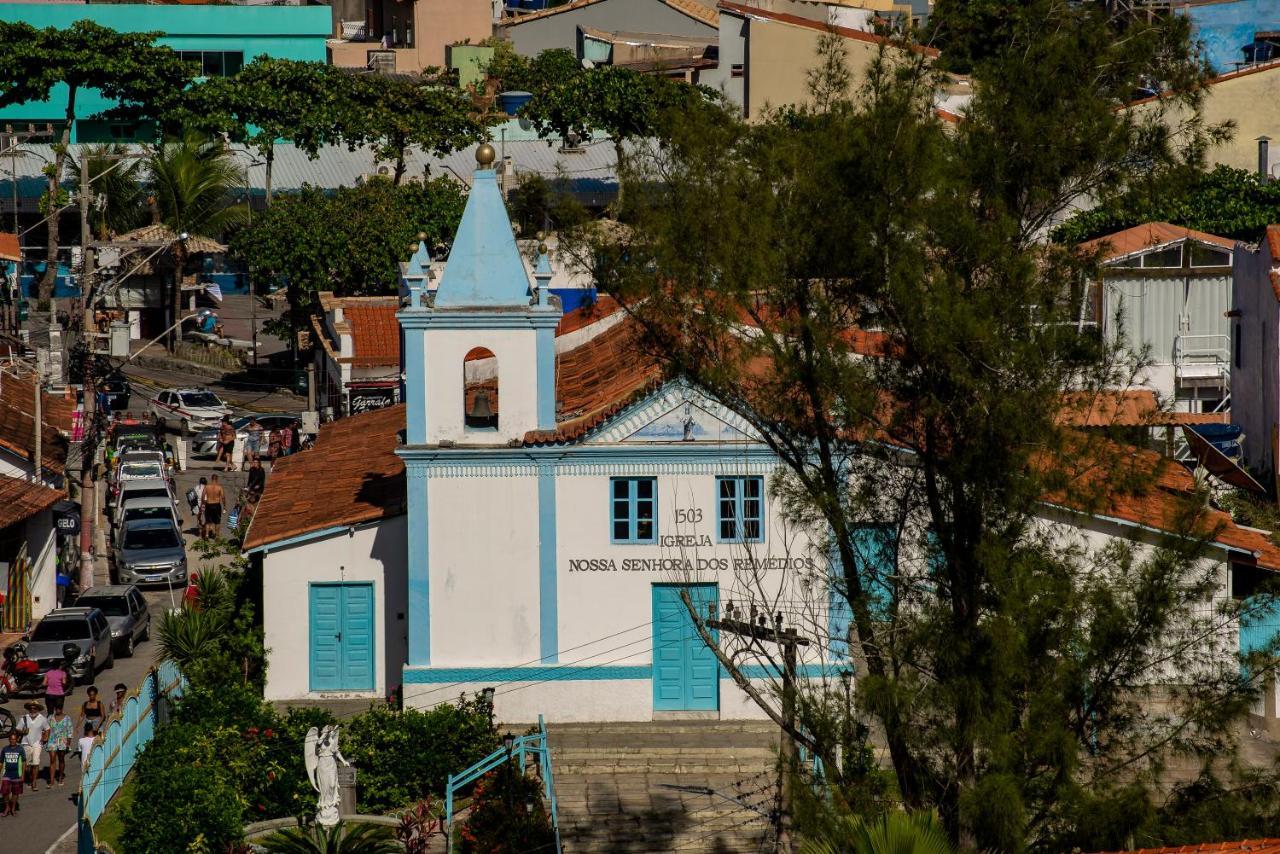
x,y
48,813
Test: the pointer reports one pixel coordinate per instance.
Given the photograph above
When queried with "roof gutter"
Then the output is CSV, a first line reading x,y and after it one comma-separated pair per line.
x,y
301,538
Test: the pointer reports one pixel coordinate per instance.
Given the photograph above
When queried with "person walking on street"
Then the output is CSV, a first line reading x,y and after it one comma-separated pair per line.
x,y
257,481
56,683
34,728
273,445
286,440
12,760
117,703
214,498
195,497
61,731
253,440
226,443
86,744
92,710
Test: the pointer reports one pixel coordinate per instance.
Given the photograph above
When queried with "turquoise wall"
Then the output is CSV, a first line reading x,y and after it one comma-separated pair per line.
x,y
284,32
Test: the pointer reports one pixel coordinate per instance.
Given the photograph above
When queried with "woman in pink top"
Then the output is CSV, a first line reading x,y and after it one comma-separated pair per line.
x,y
55,687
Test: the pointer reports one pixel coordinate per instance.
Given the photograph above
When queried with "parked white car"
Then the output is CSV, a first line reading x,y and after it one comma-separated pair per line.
x,y
188,409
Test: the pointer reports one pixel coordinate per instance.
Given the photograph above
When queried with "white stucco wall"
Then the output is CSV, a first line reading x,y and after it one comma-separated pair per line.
x,y
483,560
516,354
42,549
374,553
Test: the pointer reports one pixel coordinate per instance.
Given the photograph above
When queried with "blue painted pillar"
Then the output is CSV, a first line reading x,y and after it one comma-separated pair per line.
x,y
419,567
548,593
546,344
415,383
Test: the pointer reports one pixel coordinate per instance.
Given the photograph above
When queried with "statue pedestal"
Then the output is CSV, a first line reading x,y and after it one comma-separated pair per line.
x,y
346,790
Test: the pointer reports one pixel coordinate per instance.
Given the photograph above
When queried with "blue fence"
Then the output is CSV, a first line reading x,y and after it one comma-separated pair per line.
x,y
520,751
118,746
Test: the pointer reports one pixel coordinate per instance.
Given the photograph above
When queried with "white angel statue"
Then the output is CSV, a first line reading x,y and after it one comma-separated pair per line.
x,y
322,757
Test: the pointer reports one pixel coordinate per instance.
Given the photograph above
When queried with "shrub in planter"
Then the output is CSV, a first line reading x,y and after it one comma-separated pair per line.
x,y
507,815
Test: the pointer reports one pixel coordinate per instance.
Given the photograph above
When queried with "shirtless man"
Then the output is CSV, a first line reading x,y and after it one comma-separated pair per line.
x,y
214,499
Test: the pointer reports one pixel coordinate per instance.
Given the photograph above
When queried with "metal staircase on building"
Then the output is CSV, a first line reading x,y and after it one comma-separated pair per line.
x,y
662,786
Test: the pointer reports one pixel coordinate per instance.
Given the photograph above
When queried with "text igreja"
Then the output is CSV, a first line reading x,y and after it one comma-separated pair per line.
x,y
681,564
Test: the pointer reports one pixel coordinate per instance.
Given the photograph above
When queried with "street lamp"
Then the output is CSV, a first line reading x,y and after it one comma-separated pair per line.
x,y
253,296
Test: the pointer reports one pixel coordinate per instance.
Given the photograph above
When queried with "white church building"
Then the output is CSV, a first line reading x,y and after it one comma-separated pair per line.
x,y
528,518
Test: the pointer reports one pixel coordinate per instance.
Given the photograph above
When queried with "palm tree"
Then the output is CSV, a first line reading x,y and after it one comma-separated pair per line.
x,y
196,631
339,839
892,833
119,199
193,180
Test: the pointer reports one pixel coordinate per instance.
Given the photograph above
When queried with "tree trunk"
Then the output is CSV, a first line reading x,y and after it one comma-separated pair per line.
x,y
50,278
271,158
617,168
175,297
398,176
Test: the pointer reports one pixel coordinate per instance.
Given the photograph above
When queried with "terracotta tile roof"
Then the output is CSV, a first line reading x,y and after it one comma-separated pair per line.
x,y
1246,846
159,233
807,23
9,247
1149,235
1129,408
1275,283
692,8
1273,242
22,499
351,476
585,315
375,335
17,422
597,379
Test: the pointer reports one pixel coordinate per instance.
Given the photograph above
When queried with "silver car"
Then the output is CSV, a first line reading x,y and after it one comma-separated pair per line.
x,y
144,507
87,628
150,551
126,613
153,487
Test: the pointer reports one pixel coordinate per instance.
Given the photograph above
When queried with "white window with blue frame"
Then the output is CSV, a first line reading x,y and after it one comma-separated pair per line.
x,y
740,509
634,514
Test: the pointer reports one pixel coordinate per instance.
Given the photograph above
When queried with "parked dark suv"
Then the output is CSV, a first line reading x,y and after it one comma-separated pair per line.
x,y
126,613
87,628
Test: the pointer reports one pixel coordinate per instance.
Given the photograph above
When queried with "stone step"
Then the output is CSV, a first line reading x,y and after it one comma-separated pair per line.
x,y
659,727
745,750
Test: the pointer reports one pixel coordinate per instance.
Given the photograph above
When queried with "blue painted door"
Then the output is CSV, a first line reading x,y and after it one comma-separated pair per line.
x,y
686,675
341,621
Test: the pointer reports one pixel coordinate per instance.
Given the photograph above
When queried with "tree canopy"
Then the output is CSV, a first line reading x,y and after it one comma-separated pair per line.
x,y
350,242
1008,669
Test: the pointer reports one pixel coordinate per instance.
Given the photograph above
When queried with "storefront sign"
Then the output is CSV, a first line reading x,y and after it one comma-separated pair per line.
x,y
369,399
66,519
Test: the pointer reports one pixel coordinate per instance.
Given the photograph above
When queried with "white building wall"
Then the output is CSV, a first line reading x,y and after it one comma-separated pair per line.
x,y
42,547
516,354
483,564
374,553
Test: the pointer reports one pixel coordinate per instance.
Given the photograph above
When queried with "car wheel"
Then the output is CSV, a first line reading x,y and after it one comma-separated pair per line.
x,y
126,651
146,633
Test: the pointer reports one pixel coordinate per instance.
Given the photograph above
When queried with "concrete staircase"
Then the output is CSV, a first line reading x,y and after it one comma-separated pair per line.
x,y
662,786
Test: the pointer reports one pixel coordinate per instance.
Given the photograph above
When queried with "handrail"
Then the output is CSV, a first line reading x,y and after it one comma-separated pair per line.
x,y
521,746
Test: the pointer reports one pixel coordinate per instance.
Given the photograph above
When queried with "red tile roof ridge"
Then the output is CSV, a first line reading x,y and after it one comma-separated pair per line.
x,y
809,23
21,499
1255,846
1273,243
1212,81
1148,235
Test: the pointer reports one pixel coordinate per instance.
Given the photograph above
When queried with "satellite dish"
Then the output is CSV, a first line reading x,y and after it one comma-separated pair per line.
x,y
587,64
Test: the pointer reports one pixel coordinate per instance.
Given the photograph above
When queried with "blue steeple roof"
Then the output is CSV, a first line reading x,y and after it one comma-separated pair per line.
x,y
484,268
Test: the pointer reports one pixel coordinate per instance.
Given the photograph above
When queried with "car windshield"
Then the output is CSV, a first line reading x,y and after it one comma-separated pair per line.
x,y
202,399
141,470
151,538
147,513
133,436
61,630
112,606
148,492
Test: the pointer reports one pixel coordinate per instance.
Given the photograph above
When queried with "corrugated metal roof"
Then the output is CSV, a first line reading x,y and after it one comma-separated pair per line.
x,y
336,166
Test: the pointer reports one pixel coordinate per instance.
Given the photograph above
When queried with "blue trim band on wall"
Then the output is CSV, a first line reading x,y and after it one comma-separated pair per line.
x,y
419,567
582,673
548,594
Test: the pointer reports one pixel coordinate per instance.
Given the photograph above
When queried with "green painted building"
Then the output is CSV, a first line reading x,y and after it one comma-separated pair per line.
x,y
221,38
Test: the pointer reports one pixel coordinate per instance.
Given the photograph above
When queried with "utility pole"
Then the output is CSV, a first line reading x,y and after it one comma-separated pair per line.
x,y
88,493
37,467
757,628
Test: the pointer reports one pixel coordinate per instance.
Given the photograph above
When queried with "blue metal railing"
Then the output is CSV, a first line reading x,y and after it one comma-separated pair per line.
x,y
113,755
522,748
